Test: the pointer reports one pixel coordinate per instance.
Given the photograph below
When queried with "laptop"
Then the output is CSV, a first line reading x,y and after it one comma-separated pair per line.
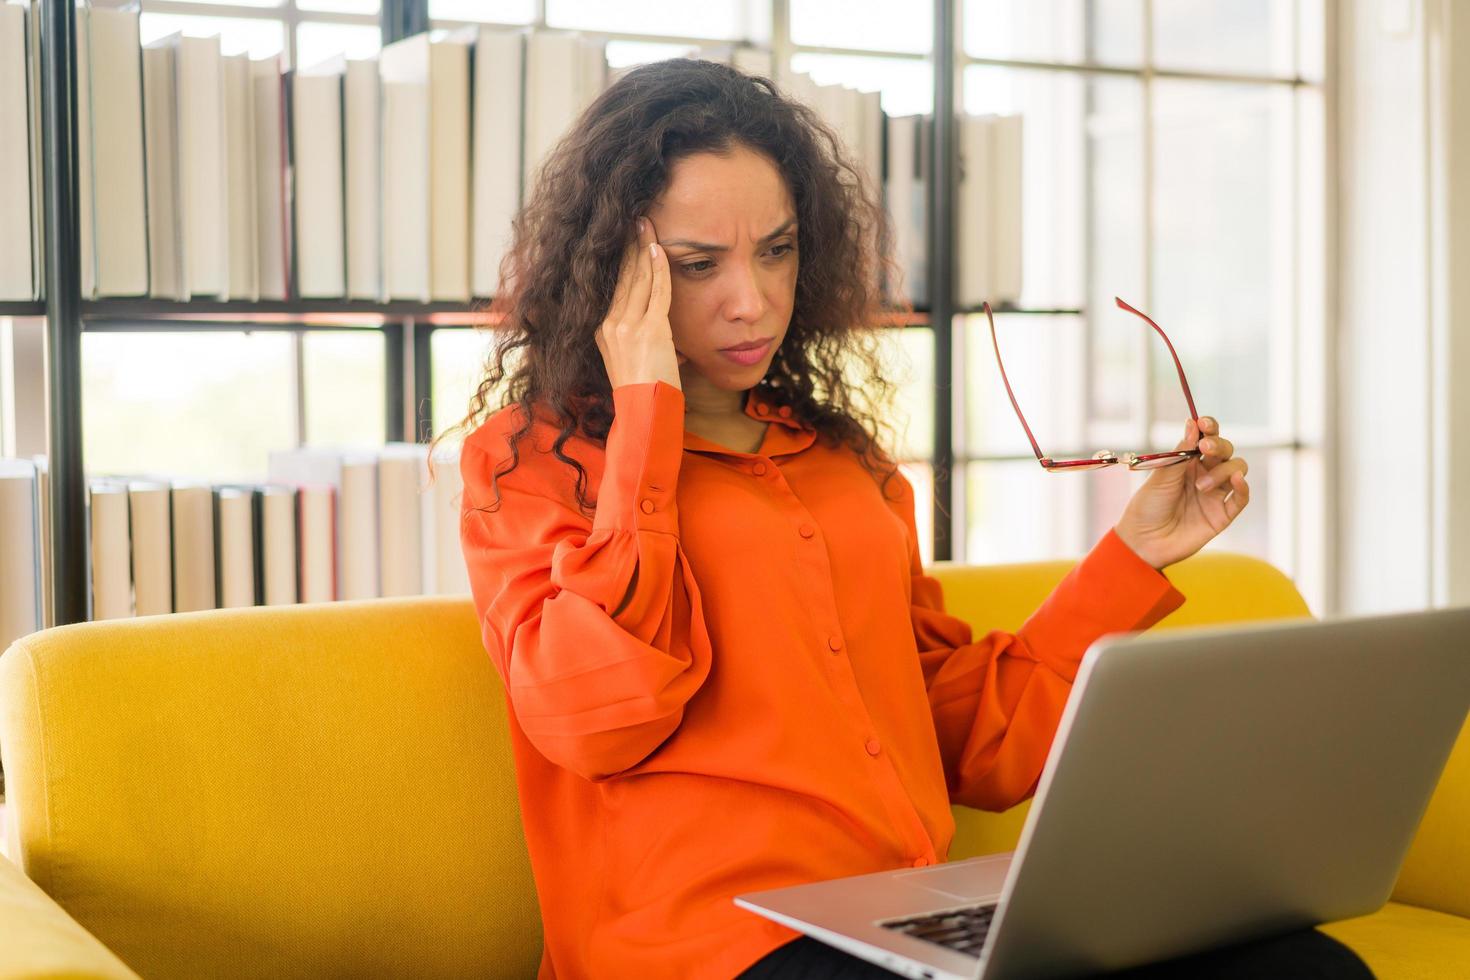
x,y
1205,787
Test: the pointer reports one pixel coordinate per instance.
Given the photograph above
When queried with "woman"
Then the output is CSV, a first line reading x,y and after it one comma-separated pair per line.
x,y
697,571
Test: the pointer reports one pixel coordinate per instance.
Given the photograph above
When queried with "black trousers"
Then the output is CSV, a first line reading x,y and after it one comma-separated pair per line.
x,y
1304,955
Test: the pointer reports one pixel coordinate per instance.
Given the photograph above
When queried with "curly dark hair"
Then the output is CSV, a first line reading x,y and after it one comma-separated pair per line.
x,y
558,276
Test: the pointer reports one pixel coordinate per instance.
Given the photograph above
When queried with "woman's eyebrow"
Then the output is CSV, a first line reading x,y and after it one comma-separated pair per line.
x,y
709,247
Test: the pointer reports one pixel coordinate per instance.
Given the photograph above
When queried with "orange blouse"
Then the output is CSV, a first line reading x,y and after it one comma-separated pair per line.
x,y
737,676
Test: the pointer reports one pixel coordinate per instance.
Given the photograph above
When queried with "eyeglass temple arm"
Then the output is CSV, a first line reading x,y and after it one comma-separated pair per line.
x,y
1007,381
1177,366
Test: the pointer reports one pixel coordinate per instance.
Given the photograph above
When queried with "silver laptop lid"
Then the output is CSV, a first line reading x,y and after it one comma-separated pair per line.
x,y
1230,783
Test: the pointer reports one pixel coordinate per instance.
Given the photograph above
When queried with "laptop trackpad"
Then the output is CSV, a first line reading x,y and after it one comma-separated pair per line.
x,y
965,879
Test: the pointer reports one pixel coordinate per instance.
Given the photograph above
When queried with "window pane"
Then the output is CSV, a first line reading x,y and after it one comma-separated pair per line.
x,y
1251,36
1058,111
871,25
1224,202
316,43
346,396
909,364
921,478
1116,259
258,38
485,11
1016,512
457,365
626,54
340,6
1044,362
188,405
712,19
246,3
907,85
1055,30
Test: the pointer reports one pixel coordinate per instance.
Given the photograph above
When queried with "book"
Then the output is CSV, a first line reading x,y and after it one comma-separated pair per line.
x,y
272,222
315,99
496,97
276,524
235,544
193,538
20,558
1006,152
403,71
316,536
200,100
242,252
17,272
361,141
43,541
426,181
446,571
86,217
113,183
405,515
166,271
564,73
988,231
150,506
973,221
107,513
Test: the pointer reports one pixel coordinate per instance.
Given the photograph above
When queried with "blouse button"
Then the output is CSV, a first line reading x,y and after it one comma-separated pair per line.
x,y
921,862
834,643
807,530
763,409
785,411
872,746
647,506
760,469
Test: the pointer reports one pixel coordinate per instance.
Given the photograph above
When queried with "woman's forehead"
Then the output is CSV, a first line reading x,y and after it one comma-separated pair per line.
x,y
740,193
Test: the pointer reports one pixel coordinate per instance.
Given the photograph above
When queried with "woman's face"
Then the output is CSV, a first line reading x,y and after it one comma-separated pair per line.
x,y
728,225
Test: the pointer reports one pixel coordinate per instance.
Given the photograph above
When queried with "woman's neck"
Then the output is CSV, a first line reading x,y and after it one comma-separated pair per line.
x,y
706,401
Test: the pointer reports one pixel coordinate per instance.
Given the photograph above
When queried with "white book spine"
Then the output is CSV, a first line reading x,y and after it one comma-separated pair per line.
x,y
272,241
242,250
17,277
498,83
364,214
121,214
321,264
201,135
449,181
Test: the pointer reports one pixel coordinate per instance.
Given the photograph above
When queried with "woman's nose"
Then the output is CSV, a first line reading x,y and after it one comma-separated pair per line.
x,y
745,301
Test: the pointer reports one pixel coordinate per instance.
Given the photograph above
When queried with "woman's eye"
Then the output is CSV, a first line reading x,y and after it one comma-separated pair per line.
x,y
779,250
703,265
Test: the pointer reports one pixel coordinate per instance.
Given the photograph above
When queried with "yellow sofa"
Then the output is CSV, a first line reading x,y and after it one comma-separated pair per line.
x,y
327,791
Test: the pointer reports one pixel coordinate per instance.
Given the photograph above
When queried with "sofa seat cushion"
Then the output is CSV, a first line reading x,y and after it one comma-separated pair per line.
x,y
1405,942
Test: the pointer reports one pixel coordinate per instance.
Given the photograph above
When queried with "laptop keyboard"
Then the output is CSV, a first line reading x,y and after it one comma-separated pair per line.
x,y
962,930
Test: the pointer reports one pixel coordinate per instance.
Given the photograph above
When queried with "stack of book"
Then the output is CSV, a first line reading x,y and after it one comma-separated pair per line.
x,y
327,524
203,175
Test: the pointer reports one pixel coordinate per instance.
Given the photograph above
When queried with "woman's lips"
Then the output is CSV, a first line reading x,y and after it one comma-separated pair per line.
x,y
748,357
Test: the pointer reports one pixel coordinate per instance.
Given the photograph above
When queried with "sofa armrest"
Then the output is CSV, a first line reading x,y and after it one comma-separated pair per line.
x,y
38,938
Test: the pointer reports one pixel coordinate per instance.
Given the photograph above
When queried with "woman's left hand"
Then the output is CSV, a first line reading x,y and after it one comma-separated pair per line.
x,y
1181,508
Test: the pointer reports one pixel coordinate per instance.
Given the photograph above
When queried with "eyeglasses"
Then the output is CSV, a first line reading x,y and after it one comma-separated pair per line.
x,y
1147,461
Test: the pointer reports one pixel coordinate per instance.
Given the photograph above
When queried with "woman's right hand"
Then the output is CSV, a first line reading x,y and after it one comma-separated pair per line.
x,y
635,338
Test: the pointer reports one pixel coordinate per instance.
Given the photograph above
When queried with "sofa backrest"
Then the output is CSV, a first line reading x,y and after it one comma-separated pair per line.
x,y
321,790
1218,588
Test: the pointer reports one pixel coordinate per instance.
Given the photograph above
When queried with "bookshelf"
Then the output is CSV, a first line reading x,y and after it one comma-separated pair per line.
x,y
68,316
406,327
